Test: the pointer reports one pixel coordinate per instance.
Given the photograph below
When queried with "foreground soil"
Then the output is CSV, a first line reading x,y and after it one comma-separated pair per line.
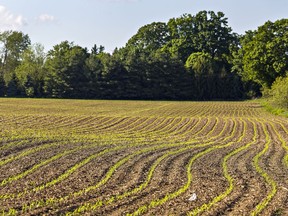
x,y
69,157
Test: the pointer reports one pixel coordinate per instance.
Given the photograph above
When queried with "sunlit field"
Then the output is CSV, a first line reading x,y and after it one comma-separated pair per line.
x,y
77,157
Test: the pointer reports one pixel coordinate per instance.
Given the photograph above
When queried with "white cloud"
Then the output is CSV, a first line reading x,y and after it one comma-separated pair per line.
x,y
46,18
10,21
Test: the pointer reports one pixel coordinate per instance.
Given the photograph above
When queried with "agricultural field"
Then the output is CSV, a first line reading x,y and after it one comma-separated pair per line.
x,y
77,157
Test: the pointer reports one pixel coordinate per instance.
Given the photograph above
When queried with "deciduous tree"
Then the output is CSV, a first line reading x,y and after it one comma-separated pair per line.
x,y
13,44
30,73
265,55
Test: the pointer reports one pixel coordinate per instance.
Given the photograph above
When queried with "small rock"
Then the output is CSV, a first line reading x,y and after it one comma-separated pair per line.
x,y
193,197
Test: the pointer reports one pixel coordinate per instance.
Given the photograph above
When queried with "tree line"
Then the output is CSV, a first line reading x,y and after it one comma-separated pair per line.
x,y
192,57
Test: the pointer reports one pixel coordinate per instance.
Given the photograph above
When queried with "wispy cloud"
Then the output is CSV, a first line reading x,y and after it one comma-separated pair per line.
x,y
46,18
10,21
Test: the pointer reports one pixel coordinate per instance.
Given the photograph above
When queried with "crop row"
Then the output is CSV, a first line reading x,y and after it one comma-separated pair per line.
x,y
86,160
145,160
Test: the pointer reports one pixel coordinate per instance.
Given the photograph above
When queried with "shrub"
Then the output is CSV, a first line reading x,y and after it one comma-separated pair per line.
x,y
279,91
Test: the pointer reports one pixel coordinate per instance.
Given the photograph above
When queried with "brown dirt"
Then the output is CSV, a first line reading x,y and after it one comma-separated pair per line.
x,y
207,124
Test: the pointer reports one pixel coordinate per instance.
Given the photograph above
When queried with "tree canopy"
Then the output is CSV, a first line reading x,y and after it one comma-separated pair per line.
x,y
192,57
264,53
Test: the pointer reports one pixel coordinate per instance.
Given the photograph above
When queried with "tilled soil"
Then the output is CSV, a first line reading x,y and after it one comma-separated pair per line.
x,y
197,158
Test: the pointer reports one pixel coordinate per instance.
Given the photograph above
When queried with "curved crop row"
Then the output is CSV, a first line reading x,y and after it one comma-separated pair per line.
x,y
141,157
181,190
193,145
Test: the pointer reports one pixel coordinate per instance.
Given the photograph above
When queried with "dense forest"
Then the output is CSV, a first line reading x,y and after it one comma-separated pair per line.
x,y
192,57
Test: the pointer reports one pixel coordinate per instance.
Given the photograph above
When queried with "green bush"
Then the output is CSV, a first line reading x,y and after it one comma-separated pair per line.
x,y
279,91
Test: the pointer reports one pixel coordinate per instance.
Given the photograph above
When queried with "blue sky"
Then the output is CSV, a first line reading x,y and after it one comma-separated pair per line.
x,y
112,22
